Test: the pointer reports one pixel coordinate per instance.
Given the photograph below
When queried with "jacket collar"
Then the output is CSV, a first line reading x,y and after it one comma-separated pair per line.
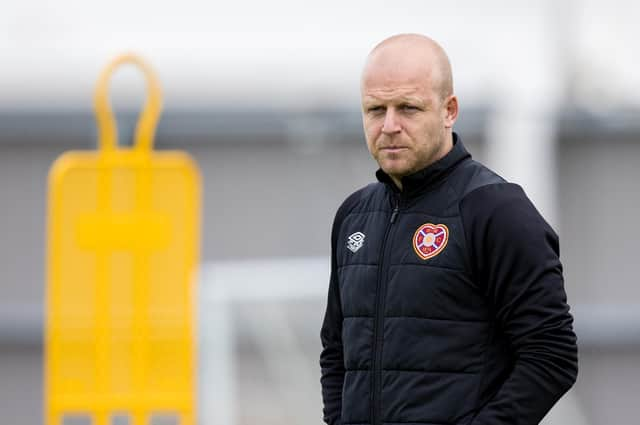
x,y
432,174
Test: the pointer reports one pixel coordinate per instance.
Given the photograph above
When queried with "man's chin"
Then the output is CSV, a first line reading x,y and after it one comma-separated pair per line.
x,y
395,170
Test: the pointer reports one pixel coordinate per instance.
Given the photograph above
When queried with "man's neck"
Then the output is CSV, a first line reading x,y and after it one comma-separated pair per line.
x,y
397,181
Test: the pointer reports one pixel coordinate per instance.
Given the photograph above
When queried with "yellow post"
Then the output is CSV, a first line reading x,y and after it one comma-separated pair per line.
x,y
123,237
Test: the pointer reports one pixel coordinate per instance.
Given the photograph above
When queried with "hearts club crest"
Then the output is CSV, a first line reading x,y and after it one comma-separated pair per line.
x,y
430,239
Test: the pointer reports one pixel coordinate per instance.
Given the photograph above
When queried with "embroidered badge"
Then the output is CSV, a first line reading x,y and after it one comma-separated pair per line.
x,y
355,241
430,239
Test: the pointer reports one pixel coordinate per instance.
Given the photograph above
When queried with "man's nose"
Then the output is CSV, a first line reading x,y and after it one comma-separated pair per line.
x,y
391,124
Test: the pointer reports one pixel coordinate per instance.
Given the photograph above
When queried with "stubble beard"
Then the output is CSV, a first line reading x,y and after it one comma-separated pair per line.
x,y
401,167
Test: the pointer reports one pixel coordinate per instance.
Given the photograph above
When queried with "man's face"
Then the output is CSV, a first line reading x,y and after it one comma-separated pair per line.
x,y
404,117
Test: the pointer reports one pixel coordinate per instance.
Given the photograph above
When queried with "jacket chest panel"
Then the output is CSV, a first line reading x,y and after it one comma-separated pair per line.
x,y
358,254
422,239
429,275
425,267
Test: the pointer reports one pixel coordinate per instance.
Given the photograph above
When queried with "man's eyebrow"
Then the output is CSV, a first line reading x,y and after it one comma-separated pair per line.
x,y
412,100
371,99
374,100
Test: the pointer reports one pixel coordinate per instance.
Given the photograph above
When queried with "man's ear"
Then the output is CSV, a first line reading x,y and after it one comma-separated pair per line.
x,y
451,110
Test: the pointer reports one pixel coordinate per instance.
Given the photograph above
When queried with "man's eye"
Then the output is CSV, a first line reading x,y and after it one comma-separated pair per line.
x,y
410,108
375,109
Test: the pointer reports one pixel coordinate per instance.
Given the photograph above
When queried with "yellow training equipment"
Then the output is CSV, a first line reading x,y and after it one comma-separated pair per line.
x,y
123,237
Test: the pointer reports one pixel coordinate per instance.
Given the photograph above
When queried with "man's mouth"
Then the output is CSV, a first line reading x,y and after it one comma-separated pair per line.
x,y
393,148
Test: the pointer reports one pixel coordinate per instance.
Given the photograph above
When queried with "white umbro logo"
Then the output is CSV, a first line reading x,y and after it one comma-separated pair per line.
x,y
355,241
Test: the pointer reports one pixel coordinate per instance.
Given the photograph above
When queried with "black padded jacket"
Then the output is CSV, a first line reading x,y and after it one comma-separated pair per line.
x,y
446,303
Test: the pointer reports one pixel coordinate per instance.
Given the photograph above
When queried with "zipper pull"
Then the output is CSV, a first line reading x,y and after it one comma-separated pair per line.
x,y
394,214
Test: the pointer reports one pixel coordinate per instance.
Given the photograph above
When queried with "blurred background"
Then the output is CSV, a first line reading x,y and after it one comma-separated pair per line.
x,y
264,95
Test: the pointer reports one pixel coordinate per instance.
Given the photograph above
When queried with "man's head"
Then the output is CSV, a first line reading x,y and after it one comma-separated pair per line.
x,y
408,105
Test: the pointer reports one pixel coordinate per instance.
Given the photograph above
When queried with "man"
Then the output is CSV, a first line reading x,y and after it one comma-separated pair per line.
x,y
446,301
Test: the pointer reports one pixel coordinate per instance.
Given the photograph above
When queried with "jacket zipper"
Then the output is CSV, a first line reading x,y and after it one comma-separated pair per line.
x,y
378,329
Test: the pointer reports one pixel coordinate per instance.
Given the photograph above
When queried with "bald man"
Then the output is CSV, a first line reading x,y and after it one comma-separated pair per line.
x,y
446,299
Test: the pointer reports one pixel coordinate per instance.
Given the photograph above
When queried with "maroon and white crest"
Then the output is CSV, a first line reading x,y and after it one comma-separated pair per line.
x,y
430,239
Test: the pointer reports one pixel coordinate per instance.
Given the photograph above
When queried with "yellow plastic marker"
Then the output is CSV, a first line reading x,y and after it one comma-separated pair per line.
x,y
123,238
